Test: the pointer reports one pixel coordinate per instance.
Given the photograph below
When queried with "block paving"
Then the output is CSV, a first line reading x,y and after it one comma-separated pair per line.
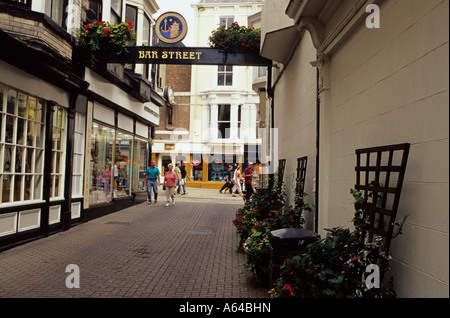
x,y
188,250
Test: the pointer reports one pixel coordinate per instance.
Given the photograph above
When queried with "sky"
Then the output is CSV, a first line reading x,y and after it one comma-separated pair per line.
x,y
182,7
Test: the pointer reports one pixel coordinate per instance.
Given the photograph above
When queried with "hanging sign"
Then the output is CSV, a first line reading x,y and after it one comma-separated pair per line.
x,y
171,27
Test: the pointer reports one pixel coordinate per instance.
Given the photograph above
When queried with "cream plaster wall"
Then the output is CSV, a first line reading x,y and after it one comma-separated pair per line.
x,y
388,86
295,119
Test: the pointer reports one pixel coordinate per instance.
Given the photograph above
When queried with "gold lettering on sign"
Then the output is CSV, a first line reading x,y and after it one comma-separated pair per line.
x,y
186,55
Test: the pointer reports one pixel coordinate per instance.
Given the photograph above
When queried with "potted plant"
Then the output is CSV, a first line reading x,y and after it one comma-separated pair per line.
x,y
334,266
98,35
235,38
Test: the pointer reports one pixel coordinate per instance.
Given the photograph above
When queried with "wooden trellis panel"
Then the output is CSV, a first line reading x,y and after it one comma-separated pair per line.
x,y
281,167
301,177
379,176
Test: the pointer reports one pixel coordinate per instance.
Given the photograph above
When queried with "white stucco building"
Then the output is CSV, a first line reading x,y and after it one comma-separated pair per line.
x,y
224,108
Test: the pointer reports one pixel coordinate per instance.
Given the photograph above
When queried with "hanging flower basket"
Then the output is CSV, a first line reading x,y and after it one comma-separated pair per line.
x,y
236,38
98,35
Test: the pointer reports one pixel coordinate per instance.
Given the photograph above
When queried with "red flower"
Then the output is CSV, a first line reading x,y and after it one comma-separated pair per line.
x,y
353,258
105,32
289,288
271,201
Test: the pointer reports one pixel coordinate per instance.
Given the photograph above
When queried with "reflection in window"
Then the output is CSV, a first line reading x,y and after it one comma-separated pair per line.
x,y
140,163
122,173
101,164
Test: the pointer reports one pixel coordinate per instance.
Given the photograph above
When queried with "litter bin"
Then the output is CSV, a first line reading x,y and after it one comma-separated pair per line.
x,y
285,242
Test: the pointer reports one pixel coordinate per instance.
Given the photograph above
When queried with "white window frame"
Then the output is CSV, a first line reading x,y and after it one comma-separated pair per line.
x,y
34,172
224,71
78,155
60,173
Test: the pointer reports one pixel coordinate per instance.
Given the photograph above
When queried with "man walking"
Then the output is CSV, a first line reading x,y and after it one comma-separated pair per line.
x,y
248,175
152,181
183,177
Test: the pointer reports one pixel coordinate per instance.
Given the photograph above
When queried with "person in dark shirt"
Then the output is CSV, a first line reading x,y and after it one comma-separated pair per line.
x,y
183,177
228,180
248,176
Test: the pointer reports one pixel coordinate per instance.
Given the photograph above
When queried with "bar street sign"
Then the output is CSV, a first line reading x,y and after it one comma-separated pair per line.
x,y
174,55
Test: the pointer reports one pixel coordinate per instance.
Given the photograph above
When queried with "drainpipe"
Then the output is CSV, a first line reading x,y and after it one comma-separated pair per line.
x,y
316,185
270,94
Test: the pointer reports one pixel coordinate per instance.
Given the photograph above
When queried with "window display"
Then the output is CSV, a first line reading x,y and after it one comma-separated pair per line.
x,y
102,140
140,163
21,145
122,163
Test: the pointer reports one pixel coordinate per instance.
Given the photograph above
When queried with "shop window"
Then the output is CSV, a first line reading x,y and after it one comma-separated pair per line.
x,y
218,165
121,169
140,163
58,152
22,127
78,155
101,157
197,167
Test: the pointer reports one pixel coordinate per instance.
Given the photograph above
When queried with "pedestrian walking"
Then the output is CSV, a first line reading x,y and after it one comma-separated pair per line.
x,y
228,180
183,176
152,181
237,182
248,175
170,181
178,172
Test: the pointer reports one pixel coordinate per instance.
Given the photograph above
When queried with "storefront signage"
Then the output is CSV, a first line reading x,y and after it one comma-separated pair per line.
x,y
171,27
169,55
195,163
169,147
173,55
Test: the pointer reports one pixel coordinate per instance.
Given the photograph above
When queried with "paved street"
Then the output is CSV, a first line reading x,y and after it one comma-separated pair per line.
x,y
186,250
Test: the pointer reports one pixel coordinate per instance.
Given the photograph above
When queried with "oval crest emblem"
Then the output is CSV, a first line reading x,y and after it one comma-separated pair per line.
x,y
171,27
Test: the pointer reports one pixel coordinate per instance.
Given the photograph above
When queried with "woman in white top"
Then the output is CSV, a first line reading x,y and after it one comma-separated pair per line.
x,y
237,181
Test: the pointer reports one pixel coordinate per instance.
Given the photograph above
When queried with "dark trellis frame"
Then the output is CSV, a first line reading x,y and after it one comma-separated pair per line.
x,y
301,178
280,173
381,194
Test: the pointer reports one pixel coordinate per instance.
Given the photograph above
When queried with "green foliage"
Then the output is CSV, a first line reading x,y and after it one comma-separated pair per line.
x,y
118,35
236,38
266,211
334,266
